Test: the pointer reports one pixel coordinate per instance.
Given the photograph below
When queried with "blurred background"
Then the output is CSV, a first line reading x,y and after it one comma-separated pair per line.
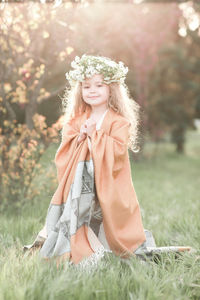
x,y
158,40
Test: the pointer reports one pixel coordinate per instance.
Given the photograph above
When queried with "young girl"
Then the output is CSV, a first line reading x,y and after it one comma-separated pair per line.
x,y
95,206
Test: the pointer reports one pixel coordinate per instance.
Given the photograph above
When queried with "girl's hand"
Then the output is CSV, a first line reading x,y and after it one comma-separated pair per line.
x,y
83,133
90,126
81,138
83,129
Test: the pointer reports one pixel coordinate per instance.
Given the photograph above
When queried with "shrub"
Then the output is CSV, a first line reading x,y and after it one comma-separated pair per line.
x,y
20,154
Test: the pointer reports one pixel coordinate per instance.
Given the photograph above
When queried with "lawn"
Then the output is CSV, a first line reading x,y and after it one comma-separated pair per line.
x,y
167,185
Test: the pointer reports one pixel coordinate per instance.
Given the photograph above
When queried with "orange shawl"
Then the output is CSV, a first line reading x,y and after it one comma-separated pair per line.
x,y
121,213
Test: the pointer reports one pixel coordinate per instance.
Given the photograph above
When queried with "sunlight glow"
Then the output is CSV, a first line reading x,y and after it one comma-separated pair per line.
x,y
145,10
137,1
3,4
182,31
69,50
192,18
194,22
57,3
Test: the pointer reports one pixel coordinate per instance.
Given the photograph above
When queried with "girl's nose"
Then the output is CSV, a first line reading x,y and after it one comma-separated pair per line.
x,y
92,90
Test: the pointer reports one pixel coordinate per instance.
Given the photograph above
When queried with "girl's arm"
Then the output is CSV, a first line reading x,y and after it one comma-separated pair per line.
x,y
122,219
66,149
71,137
112,148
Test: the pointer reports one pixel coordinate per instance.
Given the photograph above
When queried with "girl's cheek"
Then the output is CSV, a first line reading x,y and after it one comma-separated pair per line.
x,y
84,92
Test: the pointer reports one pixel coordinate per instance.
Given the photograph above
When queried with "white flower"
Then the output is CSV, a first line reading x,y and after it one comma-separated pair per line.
x,y
77,59
88,65
111,63
74,64
67,75
80,78
99,67
121,64
90,70
126,70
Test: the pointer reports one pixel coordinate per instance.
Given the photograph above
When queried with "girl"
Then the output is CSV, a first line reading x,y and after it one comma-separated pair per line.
x,y
95,206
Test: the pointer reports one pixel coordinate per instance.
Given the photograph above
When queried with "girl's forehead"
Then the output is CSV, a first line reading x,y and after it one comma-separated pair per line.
x,y
94,78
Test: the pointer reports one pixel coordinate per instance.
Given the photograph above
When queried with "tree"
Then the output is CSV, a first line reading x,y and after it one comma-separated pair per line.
x,y
31,49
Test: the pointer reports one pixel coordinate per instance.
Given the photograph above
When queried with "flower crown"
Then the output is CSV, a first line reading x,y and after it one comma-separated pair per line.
x,y
88,65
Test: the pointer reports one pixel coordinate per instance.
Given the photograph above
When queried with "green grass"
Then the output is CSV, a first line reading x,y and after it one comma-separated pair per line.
x,y
167,185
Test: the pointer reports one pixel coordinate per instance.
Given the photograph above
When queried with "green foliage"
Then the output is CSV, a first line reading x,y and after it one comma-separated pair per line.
x,y
20,153
173,101
172,95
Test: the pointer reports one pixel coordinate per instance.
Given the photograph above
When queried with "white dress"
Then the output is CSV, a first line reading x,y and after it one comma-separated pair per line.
x,y
98,126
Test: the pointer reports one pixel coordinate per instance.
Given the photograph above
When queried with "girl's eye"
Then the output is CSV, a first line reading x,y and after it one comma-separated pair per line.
x,y
87,87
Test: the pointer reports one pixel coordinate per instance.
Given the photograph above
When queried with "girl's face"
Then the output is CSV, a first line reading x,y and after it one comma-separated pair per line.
x,y
94,91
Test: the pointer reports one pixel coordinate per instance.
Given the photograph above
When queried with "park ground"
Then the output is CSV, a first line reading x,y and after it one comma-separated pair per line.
x,y
168,189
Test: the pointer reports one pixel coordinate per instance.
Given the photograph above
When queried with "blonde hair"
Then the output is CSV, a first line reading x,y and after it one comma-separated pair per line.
x,y
119,100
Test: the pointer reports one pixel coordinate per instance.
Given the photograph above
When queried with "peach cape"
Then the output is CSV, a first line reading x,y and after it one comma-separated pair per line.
x,y
112,175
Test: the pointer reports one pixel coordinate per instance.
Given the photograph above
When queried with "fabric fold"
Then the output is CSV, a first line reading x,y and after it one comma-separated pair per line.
x,y
121,213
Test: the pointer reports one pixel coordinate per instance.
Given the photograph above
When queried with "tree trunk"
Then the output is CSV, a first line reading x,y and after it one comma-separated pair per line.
x,y
30,110
180,147
178,137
